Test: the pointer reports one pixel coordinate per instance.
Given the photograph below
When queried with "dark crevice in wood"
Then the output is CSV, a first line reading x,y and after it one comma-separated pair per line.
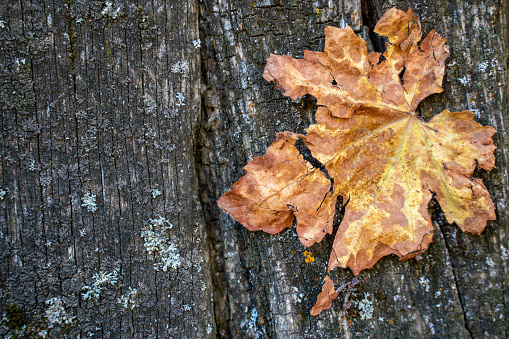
x,y
214,237
370,15
454,275
207,197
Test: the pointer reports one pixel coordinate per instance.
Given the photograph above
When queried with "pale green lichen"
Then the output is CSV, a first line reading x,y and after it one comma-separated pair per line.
x,y
365,307
181,67
505,252
129,301
464,80
101,280
32,166
158,244
89,202
424,283
181,100
156,193
56,313
108,11
482,66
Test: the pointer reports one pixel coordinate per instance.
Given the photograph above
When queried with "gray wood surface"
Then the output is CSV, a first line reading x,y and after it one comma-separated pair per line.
x,y
154,108
89,105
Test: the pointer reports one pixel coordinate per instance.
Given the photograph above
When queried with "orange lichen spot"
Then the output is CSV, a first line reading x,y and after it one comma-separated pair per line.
x,y
392,322
309,257
343,320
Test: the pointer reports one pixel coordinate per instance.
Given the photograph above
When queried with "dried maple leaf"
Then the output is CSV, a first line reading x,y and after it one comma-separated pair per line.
x,y
325,298
369,147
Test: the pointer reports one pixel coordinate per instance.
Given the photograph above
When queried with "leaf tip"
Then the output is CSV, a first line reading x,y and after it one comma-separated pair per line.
x,y
325,298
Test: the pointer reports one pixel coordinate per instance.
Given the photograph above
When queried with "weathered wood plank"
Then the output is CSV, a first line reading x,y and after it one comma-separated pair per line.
x,y
262,285
98,117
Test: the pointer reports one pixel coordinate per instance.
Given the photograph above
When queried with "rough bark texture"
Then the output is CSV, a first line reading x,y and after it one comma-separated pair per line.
x,y
90,105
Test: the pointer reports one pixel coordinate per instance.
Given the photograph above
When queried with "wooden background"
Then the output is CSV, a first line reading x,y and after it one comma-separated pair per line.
x,y
151,109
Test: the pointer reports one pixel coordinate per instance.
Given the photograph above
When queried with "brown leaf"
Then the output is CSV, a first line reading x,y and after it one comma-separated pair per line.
x,y
402,28
279,185
324,299
374,151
